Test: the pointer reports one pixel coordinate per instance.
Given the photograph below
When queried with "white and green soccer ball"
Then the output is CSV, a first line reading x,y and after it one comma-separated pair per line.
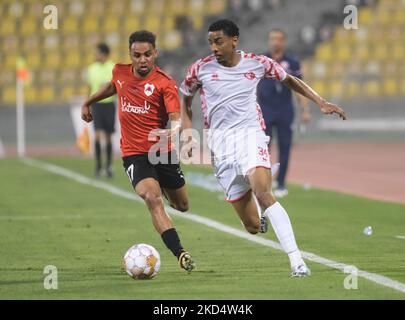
x,y
142,261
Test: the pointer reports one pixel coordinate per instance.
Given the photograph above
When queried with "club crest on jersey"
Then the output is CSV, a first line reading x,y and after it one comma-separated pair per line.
x,y
149,88
250,75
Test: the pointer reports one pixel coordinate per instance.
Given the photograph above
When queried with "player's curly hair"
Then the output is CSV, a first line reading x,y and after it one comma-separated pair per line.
x,y
227,26
142,36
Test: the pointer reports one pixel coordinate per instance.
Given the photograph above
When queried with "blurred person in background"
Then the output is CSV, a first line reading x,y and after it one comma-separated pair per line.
x,y
276,101
98,74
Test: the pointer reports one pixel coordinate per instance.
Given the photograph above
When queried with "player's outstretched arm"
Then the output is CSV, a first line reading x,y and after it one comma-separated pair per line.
x,y
105,91
302,88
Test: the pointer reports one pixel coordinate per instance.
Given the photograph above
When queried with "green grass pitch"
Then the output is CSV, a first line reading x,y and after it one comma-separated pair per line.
x,y
46,219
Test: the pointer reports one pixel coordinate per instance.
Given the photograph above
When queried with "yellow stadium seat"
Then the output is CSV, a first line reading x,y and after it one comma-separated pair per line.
x,y
216,6
168,23
34,60
352,89
70,24
53,60
152,23
362,52
365,16
68,91
9,94
90,24
29,26
46,94
7,26
110,24
320,87
380,52
371,88
343,53
198,21
398,51
176,7
30,94
72,59
131,24
336,88
324,52
383,16
9,61
402,87
390,87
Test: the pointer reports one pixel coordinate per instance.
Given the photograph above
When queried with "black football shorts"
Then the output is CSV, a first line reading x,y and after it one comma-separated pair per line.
x,y
104,116
168,175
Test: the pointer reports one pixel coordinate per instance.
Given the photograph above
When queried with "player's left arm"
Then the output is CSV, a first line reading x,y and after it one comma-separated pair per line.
x,y
305,90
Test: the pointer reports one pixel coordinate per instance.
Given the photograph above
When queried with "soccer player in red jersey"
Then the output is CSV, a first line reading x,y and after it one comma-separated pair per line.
x,y
148,100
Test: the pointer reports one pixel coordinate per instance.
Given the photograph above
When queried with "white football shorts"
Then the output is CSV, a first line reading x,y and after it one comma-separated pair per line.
x,y
235,158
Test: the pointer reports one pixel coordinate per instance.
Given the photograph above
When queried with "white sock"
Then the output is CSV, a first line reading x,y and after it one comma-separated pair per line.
x,y
282,227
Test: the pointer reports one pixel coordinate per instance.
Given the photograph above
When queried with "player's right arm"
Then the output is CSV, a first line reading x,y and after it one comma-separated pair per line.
x,y
189,87
105,91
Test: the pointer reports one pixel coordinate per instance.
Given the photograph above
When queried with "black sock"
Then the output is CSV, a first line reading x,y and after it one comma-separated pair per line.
x,y
172,241
109,154
97,149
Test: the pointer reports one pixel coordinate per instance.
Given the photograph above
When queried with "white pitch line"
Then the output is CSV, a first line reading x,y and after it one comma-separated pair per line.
x,y
400,237
379,279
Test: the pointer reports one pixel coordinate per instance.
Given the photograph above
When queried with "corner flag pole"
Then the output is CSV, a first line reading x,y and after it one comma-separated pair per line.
x,y
22,76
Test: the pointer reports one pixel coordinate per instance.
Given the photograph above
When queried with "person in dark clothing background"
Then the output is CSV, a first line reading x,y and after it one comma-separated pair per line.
x,y
276,101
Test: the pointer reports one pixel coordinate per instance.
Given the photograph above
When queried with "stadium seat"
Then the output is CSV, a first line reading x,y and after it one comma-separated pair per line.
x,y
152,23
336,88
34,60
110,23
324,52
215,6
28,26
131,24
7,26
90,24
9,94
390,87
70,24
320,87
371,88
52,60
30,94
46,94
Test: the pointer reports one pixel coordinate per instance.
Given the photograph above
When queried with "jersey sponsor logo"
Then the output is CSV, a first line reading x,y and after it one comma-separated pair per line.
x,y
250,75
120,83
149,89
127,107
215,77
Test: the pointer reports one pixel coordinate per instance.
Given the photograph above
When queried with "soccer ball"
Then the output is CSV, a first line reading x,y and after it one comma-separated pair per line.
x,y
142,261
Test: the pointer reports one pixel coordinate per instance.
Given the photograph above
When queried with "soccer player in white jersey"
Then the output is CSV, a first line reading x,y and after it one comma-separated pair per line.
x,y
227,82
